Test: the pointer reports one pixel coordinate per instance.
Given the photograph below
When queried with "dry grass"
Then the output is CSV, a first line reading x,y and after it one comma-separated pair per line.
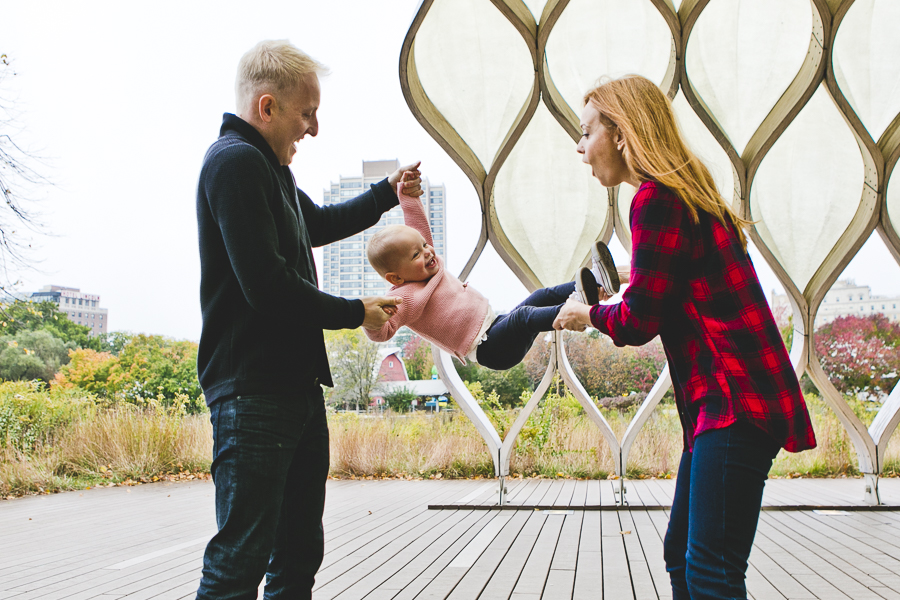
x,y
448,444
128,445
121,445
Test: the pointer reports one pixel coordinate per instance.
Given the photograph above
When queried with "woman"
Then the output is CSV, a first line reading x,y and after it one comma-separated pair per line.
x,y
692,283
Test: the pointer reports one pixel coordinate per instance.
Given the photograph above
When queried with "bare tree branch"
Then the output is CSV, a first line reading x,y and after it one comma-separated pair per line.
x,y
19,178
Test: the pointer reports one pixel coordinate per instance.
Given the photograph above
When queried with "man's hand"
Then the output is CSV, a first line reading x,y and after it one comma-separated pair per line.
x,y
411,178
574,316
378,310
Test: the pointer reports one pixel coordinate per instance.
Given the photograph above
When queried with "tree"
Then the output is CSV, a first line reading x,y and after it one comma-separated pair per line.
x,y
17,178
149,368
604,369
861,355
354,361
400,399
508,385
418,358
22,315
32,355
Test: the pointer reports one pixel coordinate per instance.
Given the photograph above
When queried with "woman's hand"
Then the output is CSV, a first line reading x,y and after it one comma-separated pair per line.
x,y
574,316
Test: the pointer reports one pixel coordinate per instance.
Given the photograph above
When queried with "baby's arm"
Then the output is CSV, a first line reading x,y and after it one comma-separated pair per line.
x,y
387,331
414,214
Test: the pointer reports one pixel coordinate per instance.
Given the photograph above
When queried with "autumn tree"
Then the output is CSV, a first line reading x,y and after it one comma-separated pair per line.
x,y
861,355
149,367
354,360
418,358
604,369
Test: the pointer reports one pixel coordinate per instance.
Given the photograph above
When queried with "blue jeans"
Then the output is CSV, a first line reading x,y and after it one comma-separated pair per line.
x,y
715,511
510,336
270,465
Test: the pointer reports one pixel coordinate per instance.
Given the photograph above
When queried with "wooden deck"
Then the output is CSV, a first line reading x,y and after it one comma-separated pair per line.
x,y
384,542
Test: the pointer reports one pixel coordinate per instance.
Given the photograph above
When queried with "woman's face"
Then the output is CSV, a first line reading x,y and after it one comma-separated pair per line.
x,y
601,147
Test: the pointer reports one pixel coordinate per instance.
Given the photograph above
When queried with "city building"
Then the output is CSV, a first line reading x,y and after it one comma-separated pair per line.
x,y
847,298
346,272
83,309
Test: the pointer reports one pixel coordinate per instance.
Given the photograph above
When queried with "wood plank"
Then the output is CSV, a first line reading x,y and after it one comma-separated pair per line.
x,y
589,569
510,568
614,558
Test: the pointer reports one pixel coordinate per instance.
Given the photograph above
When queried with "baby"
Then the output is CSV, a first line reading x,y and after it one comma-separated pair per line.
x,y
443,310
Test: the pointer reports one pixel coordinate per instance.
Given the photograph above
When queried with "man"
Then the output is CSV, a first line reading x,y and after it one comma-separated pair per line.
x,y
262,354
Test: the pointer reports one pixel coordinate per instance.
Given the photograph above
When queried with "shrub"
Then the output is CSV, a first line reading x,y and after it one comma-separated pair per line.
x,y
400,399
31,416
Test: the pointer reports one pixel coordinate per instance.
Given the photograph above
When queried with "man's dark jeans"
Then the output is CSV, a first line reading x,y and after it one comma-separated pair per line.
x,y
715,512
510,336
270,465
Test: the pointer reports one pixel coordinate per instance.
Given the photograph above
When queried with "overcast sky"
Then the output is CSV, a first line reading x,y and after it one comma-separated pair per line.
x,y
122,99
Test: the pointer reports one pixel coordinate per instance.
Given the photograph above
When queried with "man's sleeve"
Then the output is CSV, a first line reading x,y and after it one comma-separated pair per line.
x,y
660,253
327,224
238,185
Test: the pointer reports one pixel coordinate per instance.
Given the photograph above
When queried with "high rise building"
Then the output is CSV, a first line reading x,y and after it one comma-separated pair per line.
x,y
83,309
346,271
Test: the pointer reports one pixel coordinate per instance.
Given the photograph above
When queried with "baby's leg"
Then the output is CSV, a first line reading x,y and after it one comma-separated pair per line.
x,y
550,296
510,337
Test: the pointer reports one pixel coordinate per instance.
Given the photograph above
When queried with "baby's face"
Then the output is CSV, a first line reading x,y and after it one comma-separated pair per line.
x,y
415,259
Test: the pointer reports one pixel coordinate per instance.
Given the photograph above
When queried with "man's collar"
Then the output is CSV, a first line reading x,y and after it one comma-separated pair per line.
x,y
247,131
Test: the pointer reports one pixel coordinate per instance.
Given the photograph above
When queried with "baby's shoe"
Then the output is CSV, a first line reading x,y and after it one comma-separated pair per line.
x,y
604,269
586,288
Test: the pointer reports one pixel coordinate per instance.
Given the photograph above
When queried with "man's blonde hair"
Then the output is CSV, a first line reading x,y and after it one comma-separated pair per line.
x,y
380,249
273,67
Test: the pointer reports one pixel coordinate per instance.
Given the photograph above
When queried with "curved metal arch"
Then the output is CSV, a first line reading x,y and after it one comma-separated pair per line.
x,y
427,114
889,145
792,101
817,68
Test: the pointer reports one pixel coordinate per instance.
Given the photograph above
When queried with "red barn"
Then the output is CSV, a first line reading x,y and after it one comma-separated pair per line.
x,y
392,367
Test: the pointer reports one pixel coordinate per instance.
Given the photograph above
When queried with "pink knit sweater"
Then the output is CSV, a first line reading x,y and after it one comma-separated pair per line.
x,y
442,309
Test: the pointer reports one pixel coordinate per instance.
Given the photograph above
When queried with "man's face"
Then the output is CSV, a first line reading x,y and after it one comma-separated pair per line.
x,y
293,117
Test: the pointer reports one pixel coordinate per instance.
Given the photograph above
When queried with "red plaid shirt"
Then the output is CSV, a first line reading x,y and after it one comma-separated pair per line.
x,y
694,286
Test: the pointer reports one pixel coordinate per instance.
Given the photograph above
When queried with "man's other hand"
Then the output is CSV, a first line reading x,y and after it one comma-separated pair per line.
x,y
411,178
378,310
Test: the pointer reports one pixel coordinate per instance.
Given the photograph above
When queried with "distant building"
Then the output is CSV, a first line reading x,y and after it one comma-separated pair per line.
x,y
391,366
846,298
83,309
392,377
346,272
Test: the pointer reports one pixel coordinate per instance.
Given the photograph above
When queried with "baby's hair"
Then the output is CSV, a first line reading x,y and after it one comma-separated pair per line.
x,y
380,249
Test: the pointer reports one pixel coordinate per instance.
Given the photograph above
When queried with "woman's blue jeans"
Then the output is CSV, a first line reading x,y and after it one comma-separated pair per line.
x,y
270,465
715,511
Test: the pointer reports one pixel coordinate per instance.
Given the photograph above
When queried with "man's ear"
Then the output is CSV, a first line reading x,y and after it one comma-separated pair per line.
x,y
266,106
393,278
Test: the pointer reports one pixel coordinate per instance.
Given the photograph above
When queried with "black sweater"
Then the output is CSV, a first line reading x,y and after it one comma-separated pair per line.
x,y
263,313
